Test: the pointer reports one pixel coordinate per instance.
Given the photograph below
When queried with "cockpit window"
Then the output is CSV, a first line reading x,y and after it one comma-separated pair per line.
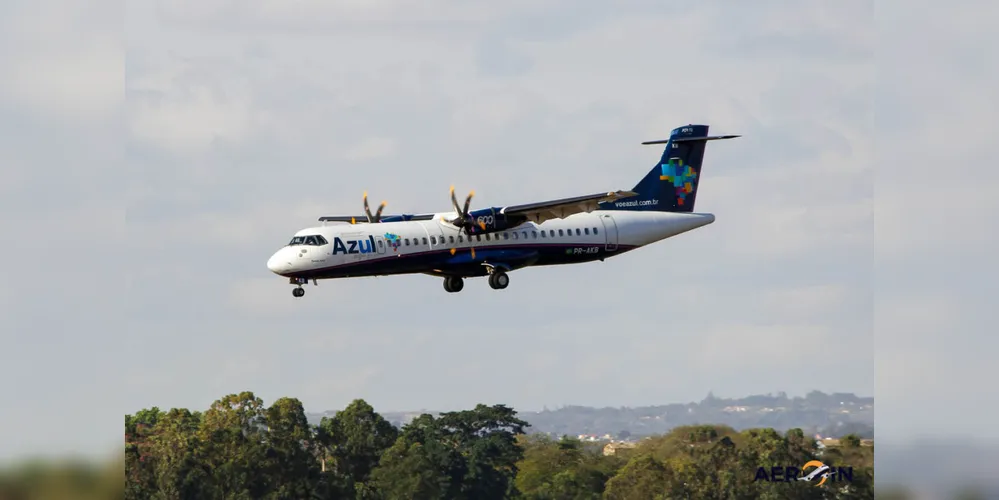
x,y
312,240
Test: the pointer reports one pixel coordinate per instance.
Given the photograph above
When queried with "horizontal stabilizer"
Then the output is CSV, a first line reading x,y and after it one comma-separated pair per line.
x,y
691,139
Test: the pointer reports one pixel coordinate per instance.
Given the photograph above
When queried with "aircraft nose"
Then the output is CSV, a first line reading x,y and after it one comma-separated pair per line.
x,y
278,262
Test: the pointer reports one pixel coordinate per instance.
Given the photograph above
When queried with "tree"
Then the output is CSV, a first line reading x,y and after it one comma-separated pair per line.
x,y
179,459
850,441
460,455
355,439
290,463
562,469
235,448
643,477
408,471
140,469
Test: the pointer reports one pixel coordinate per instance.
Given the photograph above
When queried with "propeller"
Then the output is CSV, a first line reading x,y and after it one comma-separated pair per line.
x,y
367,210
464,219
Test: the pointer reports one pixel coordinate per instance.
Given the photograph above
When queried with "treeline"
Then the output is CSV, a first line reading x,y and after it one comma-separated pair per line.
x,y
816,412
241,449
47,479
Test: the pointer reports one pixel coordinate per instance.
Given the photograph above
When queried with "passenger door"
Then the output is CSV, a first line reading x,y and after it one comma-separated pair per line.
x,y
610,232
380,245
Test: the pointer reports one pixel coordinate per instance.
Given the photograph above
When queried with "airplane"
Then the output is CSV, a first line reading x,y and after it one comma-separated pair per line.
x,y
492,242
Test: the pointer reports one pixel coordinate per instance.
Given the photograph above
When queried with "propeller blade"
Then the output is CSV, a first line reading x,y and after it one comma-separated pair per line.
x,y
454,202
468,202
367,209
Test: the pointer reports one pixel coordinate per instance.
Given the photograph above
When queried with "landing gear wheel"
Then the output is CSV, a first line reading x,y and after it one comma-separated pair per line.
x,y
298,292
499,280
453,284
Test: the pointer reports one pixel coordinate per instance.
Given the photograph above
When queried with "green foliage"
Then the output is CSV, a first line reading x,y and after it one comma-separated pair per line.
x,y
562,469
460,455
241,449
39,480
354,441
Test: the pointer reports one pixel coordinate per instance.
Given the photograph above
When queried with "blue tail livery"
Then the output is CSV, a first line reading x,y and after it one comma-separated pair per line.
x,y
671,186
463,242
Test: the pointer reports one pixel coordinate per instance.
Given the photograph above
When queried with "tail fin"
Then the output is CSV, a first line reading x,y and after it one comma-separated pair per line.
x,y
671,186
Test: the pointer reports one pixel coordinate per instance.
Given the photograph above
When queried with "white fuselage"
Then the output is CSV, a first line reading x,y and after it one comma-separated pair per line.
x,y
431,245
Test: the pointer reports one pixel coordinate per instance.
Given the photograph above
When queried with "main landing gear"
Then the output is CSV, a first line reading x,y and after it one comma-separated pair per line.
x,y
498,280
453,284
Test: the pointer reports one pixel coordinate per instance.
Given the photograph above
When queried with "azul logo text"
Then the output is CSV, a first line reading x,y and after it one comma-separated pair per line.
x,y
353,246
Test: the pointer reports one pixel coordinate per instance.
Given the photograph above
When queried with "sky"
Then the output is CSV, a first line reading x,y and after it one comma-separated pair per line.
x,y
148,173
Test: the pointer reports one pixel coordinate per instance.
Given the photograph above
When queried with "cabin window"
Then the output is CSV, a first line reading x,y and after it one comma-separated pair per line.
x,y
425,240
560,233
506,236
478,237
460,238
578,233
586,230
525,235
542,234
433,240
534,234
594,230
381,243
551,232
407,242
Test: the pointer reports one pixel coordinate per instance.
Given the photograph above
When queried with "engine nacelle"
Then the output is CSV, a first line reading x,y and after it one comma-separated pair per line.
x,y
490,220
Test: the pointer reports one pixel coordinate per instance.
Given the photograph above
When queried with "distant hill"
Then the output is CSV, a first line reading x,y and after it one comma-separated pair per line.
x,y
832,415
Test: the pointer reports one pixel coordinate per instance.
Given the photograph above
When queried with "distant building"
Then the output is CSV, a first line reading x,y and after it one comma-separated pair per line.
x,y
611,448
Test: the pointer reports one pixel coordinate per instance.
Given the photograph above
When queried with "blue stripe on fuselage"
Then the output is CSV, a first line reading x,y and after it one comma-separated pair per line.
x,y
461,263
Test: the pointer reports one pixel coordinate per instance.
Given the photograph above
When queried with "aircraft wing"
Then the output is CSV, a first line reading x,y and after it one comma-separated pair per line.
x,y
557,209
363,219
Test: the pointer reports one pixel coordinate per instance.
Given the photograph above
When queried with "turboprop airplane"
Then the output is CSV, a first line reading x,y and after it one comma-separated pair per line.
x,y
495,241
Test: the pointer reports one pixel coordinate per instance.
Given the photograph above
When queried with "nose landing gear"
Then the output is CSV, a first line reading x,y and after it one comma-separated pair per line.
x,y
299,291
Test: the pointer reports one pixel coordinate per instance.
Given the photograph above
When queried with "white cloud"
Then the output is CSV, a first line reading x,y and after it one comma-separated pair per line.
x,y
741,347
190,120
59,62
371,148
803,302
